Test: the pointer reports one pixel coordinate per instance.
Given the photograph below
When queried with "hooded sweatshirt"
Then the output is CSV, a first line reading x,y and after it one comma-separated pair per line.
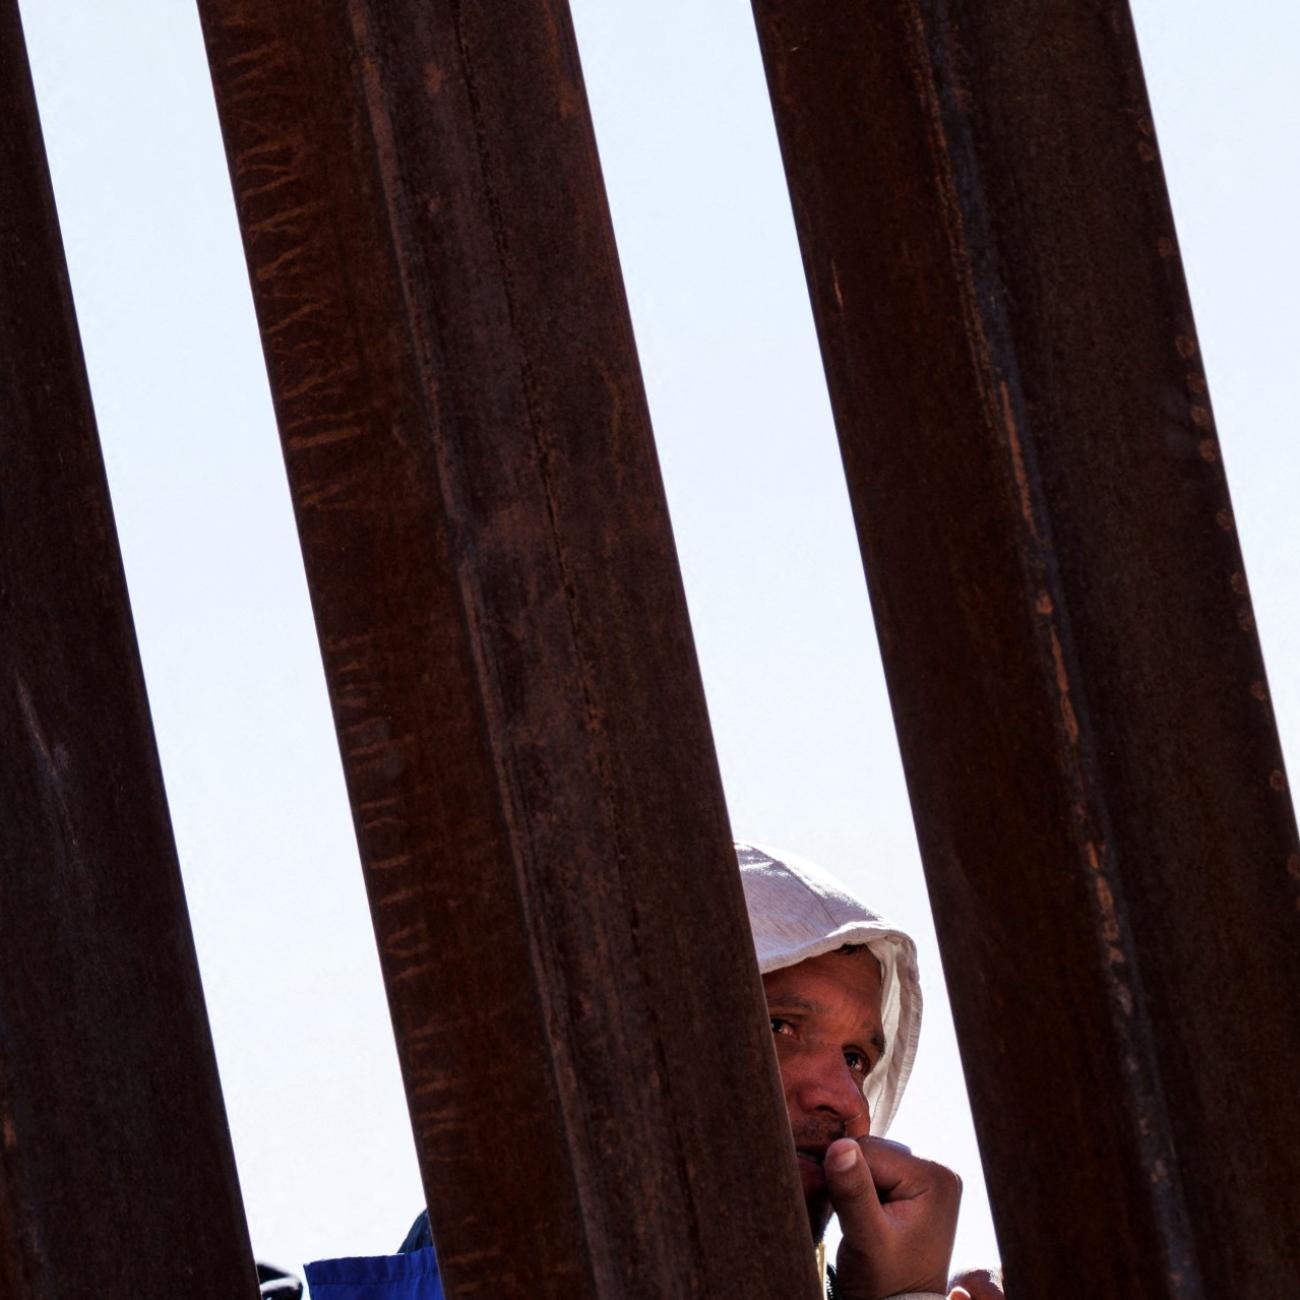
x,y
797,911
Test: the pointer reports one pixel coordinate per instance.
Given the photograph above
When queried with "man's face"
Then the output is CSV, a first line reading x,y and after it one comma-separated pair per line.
x,y
826,1026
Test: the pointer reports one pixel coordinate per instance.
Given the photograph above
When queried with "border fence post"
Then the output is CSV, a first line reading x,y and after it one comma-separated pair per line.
x,y
117,1178
1066,627
559,915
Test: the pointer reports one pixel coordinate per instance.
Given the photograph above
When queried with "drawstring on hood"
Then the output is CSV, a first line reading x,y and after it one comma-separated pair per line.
x,y
796,912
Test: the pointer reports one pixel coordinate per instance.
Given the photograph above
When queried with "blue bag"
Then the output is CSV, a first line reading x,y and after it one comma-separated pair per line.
x,y
412,1276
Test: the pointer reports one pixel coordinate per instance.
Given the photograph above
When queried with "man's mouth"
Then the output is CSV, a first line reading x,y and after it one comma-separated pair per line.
x,y
814,1154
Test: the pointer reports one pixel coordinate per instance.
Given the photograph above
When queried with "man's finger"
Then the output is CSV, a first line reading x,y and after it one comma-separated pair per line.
x,y
901,1147
852,1188
893,1168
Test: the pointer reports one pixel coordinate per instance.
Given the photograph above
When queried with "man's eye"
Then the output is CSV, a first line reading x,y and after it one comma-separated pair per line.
x,y
858,1062
783,1027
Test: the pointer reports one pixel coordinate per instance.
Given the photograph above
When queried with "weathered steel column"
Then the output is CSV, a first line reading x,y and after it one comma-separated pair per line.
x,y
116,1172
1066,627
560,921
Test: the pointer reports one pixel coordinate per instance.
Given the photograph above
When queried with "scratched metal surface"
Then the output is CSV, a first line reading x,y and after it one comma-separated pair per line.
x,y
1066,626
116,1171
536,799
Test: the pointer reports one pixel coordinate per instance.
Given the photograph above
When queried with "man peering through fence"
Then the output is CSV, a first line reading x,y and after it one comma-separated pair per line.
x,y
844,1000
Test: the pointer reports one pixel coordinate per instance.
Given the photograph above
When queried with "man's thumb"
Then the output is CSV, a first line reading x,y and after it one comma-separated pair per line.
x,y
849,1177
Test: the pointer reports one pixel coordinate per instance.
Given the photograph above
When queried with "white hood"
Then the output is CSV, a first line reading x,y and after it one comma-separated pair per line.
x,y
797,911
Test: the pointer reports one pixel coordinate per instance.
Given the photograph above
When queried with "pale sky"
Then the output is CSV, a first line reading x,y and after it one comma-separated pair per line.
x,y
766,542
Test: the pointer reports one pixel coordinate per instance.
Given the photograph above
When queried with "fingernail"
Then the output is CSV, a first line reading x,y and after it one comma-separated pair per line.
x,y
843,1159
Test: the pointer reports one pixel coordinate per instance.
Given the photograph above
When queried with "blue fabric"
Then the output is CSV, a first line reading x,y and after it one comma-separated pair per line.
x,y
412,1276
419,1236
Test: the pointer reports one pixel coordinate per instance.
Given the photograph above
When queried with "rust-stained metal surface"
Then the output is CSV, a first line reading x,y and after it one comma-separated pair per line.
x,y
116,1172
1066,626
558,911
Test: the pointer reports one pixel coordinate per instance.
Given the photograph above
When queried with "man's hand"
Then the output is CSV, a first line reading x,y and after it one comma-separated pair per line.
x,y
898,1215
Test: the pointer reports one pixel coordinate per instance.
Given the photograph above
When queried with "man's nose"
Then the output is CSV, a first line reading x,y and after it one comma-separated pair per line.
x,y
832,1086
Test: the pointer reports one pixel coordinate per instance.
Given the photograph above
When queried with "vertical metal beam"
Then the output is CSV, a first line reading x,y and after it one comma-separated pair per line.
x,y
116,1171
1066,627
559,916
